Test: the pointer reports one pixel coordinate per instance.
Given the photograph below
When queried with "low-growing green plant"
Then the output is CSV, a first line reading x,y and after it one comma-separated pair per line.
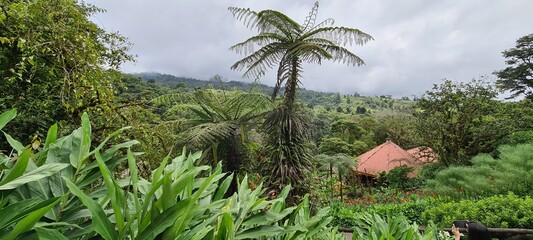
x,y
77,195
392,227
345,216
512,171
500,211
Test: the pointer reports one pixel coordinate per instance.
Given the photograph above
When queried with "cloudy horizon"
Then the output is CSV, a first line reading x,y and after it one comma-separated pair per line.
x,y
417,43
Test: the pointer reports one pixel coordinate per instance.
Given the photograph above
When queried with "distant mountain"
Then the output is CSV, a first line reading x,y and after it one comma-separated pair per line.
x,y
329,101
173,81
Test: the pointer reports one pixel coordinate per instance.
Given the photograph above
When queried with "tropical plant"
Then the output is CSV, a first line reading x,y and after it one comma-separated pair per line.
x,y
341,162
18,169
76,198
220,120
55,64
287,44
498,211
394,227
73,155
512,171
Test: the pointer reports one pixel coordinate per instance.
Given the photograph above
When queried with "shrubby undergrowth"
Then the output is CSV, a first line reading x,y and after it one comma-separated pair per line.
x,y
70,190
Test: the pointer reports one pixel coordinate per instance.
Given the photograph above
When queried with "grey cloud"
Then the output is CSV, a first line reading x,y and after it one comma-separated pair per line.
x,y
417,43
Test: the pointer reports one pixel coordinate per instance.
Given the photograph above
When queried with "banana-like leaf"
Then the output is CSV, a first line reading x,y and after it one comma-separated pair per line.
x,y
14,143
14,212
27,223
101,222
7,116
49,234
37,174
115,193
165,220
18,169
81,143
259,232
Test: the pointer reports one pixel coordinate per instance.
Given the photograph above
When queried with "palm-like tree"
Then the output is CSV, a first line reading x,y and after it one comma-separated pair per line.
x,y
286,44
219,122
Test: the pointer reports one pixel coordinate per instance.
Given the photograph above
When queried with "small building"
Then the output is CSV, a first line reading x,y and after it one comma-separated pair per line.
x,y
388,156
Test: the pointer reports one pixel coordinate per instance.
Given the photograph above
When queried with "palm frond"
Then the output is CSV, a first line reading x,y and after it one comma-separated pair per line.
x,y
343,55
325,23
340,35
257,63
245,15
274,21
310,19
209,133
262,39
248,105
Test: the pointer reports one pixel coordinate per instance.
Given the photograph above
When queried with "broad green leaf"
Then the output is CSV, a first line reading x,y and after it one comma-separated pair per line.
x,y
81,143
223,188
27,223
7,116
39,173
49,234
18,169
134,176
51,137
15,211
261,231
101,223
115,193
165,220
14,143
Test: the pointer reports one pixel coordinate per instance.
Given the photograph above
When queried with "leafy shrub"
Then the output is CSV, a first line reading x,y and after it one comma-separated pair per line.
x,y
500,211
397,178
345,216
393,226
513,171
75,194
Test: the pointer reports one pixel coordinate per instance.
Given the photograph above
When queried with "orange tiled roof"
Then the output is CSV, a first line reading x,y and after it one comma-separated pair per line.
x,y
384,158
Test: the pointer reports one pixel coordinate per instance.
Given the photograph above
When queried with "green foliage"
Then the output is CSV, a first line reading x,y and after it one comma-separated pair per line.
x,y
458,120
288,131
397,178
500,211
512,171
518,74
410,207
392,227
55,64
73,197
218,120
286,44
334,145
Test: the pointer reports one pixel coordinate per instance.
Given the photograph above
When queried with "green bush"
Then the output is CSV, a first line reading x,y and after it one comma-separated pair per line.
x,y
512,171
393,226
500,211
68,190
346,216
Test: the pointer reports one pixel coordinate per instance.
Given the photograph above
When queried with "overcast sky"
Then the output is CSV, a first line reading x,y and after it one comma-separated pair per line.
x,y
417,42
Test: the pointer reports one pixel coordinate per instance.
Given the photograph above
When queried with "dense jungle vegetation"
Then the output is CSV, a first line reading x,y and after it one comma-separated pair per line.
x,y
89,152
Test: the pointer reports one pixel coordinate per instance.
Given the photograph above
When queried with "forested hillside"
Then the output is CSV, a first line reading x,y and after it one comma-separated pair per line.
x,y
89,152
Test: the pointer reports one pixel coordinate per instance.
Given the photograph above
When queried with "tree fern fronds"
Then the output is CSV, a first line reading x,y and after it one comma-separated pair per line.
x,y
327,22
209,133
310,19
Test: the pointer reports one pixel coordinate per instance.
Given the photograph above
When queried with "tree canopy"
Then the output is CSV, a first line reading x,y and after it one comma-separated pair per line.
x,y
55,63
517,77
